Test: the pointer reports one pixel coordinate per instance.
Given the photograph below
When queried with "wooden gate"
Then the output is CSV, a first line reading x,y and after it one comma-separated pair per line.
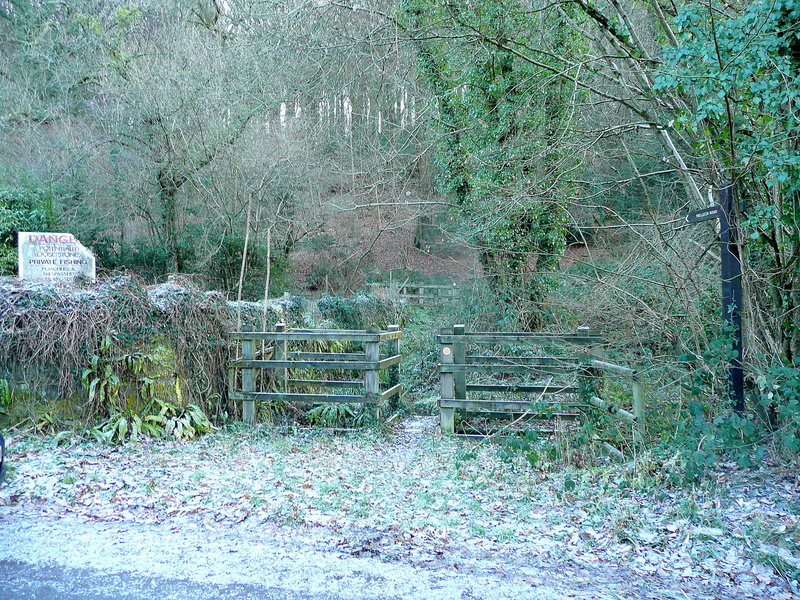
x,y
282,360
465,358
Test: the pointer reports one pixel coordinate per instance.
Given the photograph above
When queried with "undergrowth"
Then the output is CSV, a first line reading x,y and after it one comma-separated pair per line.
x,y
70,350
133,361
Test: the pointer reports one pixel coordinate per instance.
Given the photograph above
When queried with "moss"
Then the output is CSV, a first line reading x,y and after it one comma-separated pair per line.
x,y
164,341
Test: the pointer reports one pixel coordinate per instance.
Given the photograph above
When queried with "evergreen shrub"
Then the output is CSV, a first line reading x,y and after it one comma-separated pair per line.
x,y
21,209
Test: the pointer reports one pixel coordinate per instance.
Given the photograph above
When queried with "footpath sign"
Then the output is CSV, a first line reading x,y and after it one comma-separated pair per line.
x,y
53,257
704,214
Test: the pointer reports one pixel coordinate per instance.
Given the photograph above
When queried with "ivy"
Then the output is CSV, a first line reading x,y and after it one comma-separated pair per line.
x,y
500,154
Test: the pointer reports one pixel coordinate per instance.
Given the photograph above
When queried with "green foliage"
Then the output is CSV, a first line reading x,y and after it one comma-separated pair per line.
x,y
148,261
126,425
419,372
101,383
779,405
331,415
159,420
500,119
183,422
557,449
741,67
104,376
224,269
708,429
22,209
702,439
152,261
139,411
359,311
479,310
525,444
749,59
746,57
710,368
175,331
464,456
5,396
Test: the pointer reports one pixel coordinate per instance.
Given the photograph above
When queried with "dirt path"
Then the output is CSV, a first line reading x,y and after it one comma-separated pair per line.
x,y
344,518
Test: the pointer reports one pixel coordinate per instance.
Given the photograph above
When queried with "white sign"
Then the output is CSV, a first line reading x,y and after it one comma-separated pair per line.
x,y
53,257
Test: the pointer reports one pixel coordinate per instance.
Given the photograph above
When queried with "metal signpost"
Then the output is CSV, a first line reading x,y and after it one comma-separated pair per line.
x,y
731,287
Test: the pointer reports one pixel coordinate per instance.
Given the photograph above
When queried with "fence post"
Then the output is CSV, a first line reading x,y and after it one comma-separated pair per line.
x,y
371,379
446,416
248,380
587,384
231,384
638,408
460,377
394,350
280,354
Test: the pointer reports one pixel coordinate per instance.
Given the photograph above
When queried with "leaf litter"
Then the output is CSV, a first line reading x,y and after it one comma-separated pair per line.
x,y
441,506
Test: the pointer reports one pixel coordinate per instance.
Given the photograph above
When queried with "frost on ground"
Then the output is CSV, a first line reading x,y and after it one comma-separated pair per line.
x,y
411,515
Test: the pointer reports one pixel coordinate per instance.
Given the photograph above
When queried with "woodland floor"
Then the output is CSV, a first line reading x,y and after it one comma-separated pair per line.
x,y
408,514
369,244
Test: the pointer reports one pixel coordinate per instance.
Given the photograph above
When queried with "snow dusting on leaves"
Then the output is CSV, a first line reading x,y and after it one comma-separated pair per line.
x,y
430,501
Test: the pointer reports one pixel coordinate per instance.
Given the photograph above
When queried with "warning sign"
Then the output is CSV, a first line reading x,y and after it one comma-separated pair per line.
x,y
53,257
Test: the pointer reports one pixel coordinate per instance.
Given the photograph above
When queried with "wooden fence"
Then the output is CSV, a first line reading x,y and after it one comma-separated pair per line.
x,y
281,359
417,293
554,377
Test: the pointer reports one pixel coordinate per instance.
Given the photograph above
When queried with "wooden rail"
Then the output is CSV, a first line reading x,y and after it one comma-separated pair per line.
x,y
418,293
635,418
554,376
281,360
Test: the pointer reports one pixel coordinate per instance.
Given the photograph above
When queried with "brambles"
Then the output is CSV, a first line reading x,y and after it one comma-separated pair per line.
x,y
77,353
